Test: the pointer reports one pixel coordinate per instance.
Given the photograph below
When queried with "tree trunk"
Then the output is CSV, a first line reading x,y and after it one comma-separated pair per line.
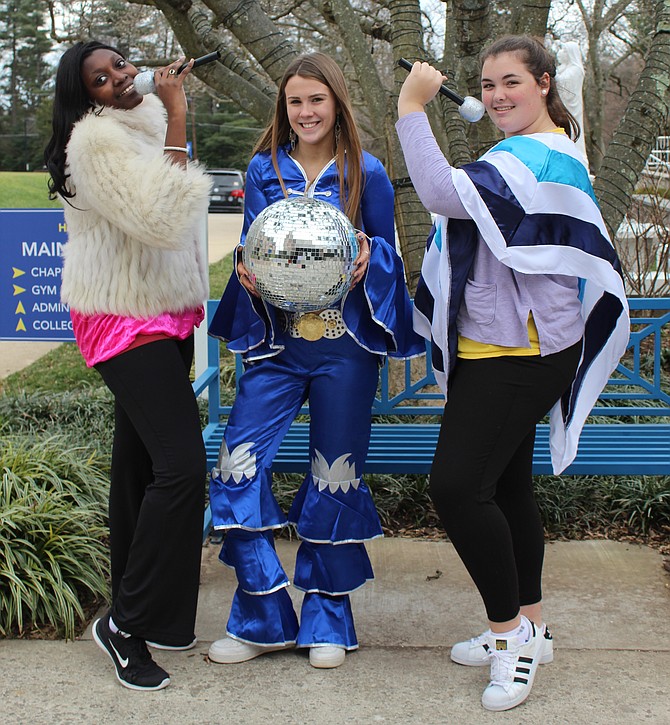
x,y
530,18
642,122
412,220
233,76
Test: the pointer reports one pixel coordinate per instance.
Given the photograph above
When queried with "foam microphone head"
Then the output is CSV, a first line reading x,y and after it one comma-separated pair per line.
x,y
471,109
144,82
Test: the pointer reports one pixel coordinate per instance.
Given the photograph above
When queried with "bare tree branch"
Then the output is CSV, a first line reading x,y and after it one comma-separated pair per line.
x,y
642,122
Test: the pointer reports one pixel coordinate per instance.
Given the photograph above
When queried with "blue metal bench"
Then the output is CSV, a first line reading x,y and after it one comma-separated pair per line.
x,y
408,393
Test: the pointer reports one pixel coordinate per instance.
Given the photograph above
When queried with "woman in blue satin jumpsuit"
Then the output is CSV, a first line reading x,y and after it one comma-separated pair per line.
x,y
312,149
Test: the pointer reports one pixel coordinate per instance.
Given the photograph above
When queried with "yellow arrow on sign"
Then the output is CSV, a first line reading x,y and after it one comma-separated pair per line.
x,y
20,309
18,290
17,272
20,327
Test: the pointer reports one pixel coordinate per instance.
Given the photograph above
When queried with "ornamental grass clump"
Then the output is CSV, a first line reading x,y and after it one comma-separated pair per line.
x,y
86,414
53,552
643,503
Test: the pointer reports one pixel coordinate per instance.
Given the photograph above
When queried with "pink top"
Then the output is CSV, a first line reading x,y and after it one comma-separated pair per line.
x,y
101,337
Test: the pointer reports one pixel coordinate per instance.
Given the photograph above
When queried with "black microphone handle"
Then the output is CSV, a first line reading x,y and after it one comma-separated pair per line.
x,y
452,95
201,61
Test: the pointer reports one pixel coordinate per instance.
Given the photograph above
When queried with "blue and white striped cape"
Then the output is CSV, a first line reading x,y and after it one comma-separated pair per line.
x,y
536,210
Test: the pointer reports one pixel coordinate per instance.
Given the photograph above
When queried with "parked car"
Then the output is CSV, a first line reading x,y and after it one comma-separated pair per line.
x,y
227,193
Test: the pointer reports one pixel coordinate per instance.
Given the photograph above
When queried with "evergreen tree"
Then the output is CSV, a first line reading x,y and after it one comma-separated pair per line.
x,y
24,45
224,136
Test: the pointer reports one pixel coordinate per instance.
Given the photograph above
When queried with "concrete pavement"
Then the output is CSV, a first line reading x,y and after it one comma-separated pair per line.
x,y
607,603
223,231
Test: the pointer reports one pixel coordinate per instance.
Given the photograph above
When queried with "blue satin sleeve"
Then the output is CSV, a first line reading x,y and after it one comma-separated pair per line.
x,y
243,321
254,198
377,205
379,312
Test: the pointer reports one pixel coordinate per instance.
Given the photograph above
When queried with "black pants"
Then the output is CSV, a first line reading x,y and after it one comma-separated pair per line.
x,y
481,480
156,500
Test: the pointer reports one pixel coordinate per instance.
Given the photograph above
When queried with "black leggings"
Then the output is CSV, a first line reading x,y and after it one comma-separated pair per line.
x,y
481,478
157,494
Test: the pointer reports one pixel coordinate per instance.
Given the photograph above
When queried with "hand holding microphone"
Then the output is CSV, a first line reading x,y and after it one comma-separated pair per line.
x,y
144,81
470,108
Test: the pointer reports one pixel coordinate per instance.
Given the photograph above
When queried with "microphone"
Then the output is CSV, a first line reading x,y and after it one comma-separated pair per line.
x,y
144,81
470,108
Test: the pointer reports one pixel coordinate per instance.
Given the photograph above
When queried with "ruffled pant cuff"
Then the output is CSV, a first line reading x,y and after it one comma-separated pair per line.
x,y
247,505
253,556
331,569
266,620
324,516
326,620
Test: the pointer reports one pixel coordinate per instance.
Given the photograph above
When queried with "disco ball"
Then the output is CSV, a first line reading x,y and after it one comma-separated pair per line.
x,y
301,252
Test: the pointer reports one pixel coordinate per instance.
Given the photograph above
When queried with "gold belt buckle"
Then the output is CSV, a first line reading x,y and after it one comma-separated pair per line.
x,y
311,326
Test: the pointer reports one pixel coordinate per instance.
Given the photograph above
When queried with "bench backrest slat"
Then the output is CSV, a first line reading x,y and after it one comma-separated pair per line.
x,y
408,387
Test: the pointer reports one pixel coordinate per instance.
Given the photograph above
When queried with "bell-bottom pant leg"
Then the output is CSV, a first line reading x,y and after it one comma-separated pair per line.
x,y
270,395
341,393
157,491
481,482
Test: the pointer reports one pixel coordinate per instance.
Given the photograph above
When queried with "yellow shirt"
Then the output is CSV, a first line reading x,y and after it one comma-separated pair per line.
x,y
473,350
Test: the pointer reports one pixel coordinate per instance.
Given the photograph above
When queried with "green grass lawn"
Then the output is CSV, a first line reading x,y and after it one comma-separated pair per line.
x,y
25,190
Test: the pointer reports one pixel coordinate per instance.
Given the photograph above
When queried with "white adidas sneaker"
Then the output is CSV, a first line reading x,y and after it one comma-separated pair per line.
x,y
474,652
513,667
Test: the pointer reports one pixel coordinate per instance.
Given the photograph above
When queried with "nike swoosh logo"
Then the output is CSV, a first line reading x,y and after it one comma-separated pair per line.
x,y
122,662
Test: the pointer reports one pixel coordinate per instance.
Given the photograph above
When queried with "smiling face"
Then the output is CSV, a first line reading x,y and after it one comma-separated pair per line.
x,y
311,110
108,79
514,99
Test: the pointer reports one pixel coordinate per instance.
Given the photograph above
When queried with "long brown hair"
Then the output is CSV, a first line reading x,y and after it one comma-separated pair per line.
x,y
538,60
347,148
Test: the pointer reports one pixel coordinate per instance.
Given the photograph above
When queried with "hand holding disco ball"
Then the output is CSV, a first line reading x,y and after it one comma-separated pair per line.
x,y
300,254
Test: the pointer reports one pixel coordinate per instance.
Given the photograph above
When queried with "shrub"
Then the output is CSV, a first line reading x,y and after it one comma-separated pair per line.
x,y
87,414
53,552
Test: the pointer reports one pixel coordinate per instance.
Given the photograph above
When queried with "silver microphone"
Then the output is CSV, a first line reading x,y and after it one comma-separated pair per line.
x,y
469,107
144,81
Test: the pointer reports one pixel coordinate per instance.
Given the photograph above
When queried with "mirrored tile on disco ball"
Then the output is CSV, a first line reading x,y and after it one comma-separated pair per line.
x,y
301,253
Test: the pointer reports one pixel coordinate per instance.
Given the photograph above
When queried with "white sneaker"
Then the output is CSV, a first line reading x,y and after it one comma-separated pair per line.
x,y
474,652
229,651
326,657
513,668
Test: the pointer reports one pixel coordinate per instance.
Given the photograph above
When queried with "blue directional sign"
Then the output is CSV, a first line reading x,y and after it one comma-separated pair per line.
x,y
31,245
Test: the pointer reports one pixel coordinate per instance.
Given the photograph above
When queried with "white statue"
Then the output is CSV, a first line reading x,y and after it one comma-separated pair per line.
x,y
570,80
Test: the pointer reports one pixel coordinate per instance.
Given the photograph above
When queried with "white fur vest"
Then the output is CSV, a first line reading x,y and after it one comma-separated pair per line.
x,y
133,228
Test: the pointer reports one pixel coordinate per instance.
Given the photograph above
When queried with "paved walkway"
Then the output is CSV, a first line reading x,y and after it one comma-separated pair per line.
x,y
607,603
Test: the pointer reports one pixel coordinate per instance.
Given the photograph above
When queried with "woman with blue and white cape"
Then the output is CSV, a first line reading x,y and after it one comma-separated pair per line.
x,y
523,299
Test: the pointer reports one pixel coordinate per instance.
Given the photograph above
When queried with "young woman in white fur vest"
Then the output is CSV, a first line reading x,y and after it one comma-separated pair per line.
x,y
135,279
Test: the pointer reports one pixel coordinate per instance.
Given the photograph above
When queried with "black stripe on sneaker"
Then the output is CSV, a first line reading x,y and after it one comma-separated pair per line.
x,y
522,680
